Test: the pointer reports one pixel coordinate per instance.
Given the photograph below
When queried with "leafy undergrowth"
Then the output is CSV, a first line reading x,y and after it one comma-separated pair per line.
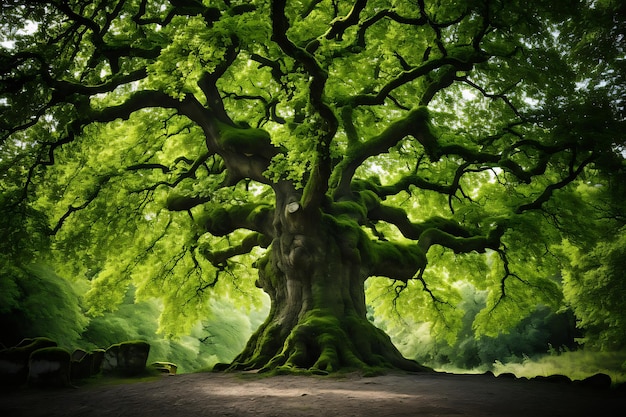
x,y
576,365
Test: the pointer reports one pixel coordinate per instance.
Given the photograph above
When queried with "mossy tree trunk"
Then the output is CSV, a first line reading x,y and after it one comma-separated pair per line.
x,y
315,278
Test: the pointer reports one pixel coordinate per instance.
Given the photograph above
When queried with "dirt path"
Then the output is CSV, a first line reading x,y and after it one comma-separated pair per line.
x,y
208,394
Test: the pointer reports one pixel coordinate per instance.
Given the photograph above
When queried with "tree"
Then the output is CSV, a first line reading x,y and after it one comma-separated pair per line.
x,y
174,144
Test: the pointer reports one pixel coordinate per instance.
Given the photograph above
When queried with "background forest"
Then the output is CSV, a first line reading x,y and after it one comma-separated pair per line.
x,y
36,301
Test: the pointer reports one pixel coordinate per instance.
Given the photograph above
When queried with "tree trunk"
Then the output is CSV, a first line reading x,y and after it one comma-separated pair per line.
x,y
317,320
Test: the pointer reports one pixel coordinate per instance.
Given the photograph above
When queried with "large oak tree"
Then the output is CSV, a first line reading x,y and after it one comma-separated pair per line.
x,y
180,146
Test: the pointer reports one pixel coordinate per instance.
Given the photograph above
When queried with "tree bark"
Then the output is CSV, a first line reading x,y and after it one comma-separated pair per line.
x,y
315,279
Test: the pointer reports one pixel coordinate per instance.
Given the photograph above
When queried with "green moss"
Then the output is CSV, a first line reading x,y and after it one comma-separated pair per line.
x,y
457,244
178,202
216,220
323,343
446,225
141,343
416,121
26,347
257,213
38,341
51,354
369,199
245,140
398,257
349,208
343,227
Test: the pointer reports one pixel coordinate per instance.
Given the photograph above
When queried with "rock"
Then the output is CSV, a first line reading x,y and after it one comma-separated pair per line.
x,y
78,355
620,389
49,368
109,361
556,378
127,358
82,364
97,359
14,360
25,342
507,375
600,381
165,367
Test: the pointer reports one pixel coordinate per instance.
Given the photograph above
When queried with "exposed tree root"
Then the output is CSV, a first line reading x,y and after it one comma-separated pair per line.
x,y
321,344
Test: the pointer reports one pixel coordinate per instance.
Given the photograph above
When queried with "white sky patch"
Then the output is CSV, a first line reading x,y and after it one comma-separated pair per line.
x,y
256,189
583,84
532,102
468,94
493,174
376,169
29,28
119,91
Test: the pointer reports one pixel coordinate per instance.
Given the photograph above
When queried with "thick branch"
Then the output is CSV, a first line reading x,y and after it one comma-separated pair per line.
x,y
414,231
442,80
395,261
207,82
246,151
415,123
181,8
360,41
65,89
177,202
146,99
219,258
138,167
220,220
339,26
407,76
137,101
460,244
274,66
404,184
438,231
317,183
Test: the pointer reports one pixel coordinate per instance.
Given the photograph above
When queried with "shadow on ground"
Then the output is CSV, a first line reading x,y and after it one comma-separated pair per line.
x,y
237,394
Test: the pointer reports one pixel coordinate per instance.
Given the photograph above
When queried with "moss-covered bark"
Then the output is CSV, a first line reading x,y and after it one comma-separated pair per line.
x,y
314,274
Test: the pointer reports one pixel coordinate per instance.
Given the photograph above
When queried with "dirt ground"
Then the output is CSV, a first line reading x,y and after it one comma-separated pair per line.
x,y
211,394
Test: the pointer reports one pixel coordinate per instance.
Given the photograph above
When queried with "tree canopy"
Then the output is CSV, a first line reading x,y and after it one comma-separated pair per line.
x,y
320,150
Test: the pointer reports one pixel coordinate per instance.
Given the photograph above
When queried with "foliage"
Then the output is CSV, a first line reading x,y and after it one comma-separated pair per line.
x,y
217,338
429,147
540,332
36,302
577,365
594,287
